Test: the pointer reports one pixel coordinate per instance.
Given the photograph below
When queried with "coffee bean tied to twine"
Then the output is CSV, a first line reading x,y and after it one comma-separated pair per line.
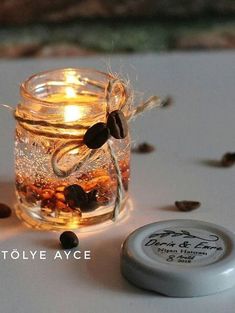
x,y
96,136
5,211
76,198
187,206
69,240
117,124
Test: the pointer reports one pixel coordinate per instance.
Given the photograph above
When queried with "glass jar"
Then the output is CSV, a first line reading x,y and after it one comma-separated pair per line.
x,y
57,108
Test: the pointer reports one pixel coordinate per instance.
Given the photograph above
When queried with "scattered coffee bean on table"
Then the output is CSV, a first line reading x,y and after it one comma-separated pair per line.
x,y
5,211
167,102
228,159
187,206
69,240
143,148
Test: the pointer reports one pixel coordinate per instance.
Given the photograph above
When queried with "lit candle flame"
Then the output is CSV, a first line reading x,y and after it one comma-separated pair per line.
x,y
72,112
70,92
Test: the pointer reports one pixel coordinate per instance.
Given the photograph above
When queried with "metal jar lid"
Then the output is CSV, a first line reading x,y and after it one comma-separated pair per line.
x,y
180,258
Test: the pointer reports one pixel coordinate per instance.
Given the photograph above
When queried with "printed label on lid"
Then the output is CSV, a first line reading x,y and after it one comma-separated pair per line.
x,y
184,246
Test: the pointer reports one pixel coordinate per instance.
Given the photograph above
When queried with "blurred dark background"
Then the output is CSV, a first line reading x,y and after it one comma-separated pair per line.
x,y
57,28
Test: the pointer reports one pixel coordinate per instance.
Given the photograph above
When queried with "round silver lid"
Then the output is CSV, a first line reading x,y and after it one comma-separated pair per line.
x,y
180,258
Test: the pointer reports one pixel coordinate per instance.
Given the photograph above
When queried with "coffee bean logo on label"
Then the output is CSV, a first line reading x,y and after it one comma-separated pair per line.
x,y
184,246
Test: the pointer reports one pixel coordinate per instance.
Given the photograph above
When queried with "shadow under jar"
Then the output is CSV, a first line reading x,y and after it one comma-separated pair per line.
x,y
56,109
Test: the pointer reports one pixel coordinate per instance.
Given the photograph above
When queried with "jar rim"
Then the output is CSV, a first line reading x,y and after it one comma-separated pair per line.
x,y
24,87
44,97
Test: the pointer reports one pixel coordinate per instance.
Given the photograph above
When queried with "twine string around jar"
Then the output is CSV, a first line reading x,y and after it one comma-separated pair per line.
x,y
119,191
71,145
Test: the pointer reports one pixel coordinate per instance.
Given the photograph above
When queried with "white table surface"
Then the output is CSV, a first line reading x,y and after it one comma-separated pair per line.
x,y
198,129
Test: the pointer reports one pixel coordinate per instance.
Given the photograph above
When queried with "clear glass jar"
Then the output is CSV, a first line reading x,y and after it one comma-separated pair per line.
x,y
56,109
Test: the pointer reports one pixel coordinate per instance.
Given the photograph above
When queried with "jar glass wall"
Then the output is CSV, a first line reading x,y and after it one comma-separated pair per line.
x,y
56,109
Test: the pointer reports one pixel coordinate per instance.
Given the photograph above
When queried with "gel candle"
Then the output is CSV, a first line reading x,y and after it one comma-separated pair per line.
x,y
60,182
